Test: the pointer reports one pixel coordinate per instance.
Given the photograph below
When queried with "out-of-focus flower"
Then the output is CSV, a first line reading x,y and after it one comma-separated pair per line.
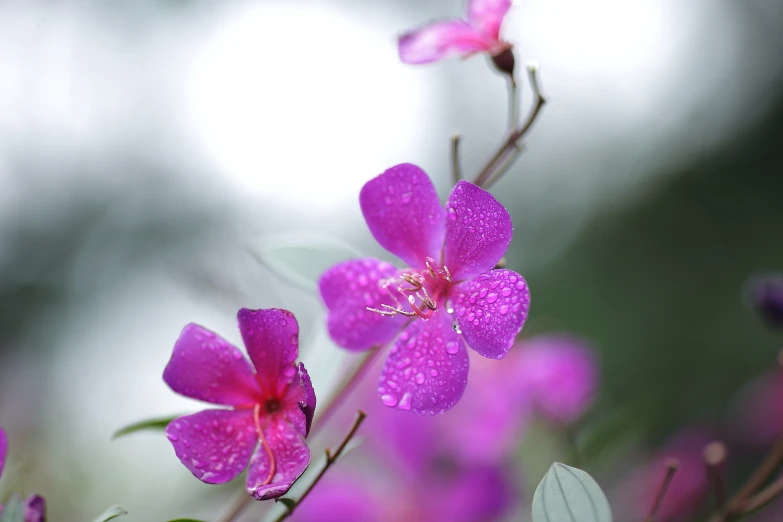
x,y
478,33
450,297
689,485
34,505
558,374
759,410
766,295
271,408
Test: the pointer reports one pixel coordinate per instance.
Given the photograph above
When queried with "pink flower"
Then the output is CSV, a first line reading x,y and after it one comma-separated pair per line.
x,y
558,374
479,33
449,298
270,409
35,505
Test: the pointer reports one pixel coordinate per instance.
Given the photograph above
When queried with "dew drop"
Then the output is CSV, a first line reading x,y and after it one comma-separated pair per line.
x,y
405,402
419,378
434,373
452,347
389,400
503,309
406,198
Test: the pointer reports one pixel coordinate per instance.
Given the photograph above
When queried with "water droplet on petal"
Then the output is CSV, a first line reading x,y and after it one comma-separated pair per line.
x,y
452,347
405,402
389,400
419,378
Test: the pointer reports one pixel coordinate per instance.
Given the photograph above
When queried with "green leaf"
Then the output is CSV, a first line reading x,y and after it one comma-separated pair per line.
x,y
289,503
567,494
300,260
112,512
149,424
185,520
13,511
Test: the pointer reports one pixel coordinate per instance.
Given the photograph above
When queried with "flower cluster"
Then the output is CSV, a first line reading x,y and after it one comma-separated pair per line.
x,y
34,507
269,410
450,297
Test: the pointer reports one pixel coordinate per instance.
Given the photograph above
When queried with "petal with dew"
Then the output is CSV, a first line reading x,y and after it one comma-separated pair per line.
x,y
3,449
491,310
427,368
402,209
206,367
478,231
35,509
280,460
215,445
486,16
438,40
307,405
348,289
272,341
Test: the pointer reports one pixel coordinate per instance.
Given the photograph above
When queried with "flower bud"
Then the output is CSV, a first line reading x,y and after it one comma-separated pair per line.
x,y
504,61
766,296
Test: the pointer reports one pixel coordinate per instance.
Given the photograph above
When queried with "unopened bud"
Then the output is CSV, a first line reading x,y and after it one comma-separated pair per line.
x,y
766,296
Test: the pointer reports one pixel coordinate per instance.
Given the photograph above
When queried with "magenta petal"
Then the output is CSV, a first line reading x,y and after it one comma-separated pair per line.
x,y
491,310
347,289
215,445
3,449
35,509
341,499
402,209
307,405
478,231
437,40
205,366
272,341
487,16
278,463
427,368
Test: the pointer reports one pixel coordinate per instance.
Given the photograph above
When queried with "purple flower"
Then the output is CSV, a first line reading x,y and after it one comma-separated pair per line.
x,y
558,374
758,411
450,296
271,407
480,32
34,505
766,294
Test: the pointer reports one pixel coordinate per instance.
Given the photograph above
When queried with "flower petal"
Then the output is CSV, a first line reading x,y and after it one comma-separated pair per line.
x,y
491,310
559,372
279,462
206,367
427,368
484,492
308,404
487,16
437,40
272,341
3,449
347,289
35,509
402,209
215,445
346,498
478,231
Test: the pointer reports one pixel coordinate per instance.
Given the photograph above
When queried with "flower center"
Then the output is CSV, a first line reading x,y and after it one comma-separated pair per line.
x,y
272,405
420,290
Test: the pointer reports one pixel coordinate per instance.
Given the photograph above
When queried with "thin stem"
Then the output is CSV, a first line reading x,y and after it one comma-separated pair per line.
x,y
346,387
714,459
764,497
236,507
331,458
671,469
513,103
514,136
456,170
509,159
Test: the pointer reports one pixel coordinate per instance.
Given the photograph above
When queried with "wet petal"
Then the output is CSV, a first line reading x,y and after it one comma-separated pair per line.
x,y
347,289
490,311
478,231
487,16
427,368
3,449
278,463
215,445
205,366
35,509
560,373
437,40
272,340
402,209
307,404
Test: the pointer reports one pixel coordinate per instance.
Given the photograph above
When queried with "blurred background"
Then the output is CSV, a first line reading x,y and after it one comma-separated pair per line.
x,y
169,161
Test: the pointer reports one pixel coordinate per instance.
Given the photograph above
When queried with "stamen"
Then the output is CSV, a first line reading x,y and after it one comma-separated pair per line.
x,y
260,433
410,285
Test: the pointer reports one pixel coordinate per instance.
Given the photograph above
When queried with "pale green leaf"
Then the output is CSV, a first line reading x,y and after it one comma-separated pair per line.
x,y
112,512
158,424
567,494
